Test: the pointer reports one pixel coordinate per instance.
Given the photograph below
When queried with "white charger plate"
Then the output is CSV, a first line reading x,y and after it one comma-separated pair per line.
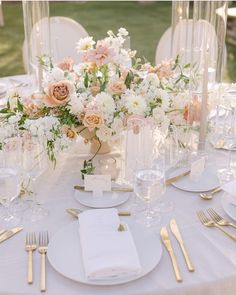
x,y
64,253
207,182
228,207
108,200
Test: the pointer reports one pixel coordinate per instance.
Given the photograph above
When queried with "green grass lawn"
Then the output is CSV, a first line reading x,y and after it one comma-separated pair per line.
x,y
145,22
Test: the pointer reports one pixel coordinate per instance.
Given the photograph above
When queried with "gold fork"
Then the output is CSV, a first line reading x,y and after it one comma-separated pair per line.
x,y
30,246
43,247
210,223
219,219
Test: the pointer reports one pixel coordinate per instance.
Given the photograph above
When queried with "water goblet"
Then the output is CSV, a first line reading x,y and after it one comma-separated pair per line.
x,y
9,191
149,185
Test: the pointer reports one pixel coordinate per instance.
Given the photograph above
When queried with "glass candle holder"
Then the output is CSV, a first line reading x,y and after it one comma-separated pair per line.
x,y
108,166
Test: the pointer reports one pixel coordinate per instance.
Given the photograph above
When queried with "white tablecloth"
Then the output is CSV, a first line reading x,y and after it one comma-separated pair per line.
x,y
213,254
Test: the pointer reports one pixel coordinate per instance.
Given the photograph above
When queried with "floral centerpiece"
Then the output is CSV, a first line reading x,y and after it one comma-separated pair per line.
x,y
97,97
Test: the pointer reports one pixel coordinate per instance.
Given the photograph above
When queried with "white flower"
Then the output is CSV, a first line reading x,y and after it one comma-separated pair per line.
x,y
55,75
122,32
76,106
135,104
105,103
85,44
104,133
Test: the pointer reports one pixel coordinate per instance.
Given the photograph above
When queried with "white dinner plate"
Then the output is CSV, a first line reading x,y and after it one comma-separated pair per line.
x,y
207,182
64,253
228,207
108,200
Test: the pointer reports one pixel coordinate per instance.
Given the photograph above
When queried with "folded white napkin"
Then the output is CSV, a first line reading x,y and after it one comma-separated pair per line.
x,y
107,253
230,188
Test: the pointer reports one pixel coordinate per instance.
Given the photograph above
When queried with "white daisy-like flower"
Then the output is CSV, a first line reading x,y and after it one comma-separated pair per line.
x,y
135,104
104,133
84,44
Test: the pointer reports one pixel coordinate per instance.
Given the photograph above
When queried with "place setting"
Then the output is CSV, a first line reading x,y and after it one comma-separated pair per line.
x,y
117,160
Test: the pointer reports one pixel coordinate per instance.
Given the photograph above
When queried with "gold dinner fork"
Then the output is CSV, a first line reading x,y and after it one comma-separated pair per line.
x,y
30,246
43,247
219,219
210,223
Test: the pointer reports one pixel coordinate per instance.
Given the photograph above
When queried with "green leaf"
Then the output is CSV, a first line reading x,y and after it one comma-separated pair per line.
x,y
86,80
20,106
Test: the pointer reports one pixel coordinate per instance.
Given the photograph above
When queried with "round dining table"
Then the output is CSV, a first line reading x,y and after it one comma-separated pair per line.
x,y
212,253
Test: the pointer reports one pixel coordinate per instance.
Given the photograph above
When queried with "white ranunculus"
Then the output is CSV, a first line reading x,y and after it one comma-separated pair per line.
x,y
105,103
76,106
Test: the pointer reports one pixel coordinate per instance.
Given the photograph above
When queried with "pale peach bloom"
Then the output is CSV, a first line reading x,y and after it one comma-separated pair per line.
x,y
117,87
100,55
192,111
58,93
164,70
66,64
95,88
92,120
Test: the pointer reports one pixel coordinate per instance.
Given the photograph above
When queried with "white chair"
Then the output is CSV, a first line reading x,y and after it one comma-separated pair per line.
x,y
183,38
64,34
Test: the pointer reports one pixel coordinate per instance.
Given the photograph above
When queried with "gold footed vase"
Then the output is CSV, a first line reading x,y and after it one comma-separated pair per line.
x,y
94,143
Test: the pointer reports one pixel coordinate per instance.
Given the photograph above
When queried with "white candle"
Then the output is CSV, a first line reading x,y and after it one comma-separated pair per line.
x,y
108,166
204,110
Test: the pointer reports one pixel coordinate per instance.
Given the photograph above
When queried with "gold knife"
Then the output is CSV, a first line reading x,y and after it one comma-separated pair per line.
x,y
75,212
175,230
166,241
113,189
175,178
9,233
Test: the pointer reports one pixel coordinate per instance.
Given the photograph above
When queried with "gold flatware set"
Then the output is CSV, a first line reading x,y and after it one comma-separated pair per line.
x,y
167,242
30,246
213,219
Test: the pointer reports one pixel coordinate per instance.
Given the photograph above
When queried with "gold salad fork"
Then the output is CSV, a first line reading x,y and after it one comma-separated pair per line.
x,y
210,223
43,247
30,246
219,219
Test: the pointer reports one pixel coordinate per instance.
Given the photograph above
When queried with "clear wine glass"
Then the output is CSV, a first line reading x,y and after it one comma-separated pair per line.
x,y
149,185
9,191
34,163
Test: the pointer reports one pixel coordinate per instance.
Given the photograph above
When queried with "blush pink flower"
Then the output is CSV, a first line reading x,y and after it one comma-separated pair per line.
x,y
101,55
192,111
117,87
66,64
164,70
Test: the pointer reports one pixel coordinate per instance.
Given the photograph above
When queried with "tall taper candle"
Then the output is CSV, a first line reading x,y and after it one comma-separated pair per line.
x,y
204,108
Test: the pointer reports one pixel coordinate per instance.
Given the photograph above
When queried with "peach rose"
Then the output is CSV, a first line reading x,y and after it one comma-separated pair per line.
x,y
118,87
58,93
92,120
192,111
66,64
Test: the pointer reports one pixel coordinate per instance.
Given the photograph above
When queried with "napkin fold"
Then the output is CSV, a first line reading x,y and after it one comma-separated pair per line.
x,y
106,252
230,188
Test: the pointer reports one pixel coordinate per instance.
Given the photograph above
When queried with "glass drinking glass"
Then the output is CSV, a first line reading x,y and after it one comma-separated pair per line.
x,y
149,185
9,191
34,163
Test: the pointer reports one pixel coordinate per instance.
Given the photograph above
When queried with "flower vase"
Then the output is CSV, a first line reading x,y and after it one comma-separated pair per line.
x,y
90,136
